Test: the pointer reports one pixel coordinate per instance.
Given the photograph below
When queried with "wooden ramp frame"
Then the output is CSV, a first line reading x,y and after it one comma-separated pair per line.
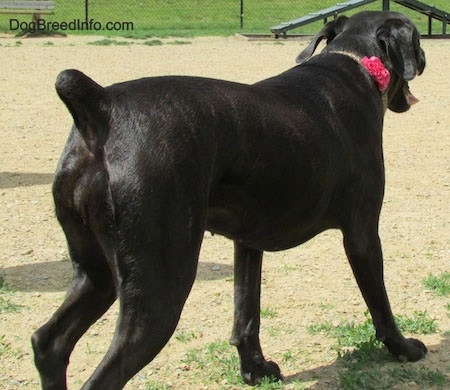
x,y
324,14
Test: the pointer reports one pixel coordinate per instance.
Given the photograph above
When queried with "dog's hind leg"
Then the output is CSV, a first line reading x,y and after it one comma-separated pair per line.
x,y
157,265
245,335
91,294
364,252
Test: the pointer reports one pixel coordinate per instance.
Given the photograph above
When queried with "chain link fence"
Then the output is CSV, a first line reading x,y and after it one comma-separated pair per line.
x,y
184,16
177,17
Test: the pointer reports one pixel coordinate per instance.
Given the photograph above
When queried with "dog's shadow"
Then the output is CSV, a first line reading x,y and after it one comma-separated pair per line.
x,y
54,276
27,179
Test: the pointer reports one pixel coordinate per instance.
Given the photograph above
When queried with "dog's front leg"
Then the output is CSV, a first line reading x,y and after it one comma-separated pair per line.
x,y
245,335
365,255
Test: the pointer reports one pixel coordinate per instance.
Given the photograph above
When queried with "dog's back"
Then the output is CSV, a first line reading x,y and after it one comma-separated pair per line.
x,y
142,139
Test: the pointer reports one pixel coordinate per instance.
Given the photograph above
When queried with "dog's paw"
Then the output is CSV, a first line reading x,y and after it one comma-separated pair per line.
x,y
265,369
410,350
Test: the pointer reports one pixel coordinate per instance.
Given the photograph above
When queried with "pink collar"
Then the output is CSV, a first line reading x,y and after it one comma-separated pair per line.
x,y
374,66
378,72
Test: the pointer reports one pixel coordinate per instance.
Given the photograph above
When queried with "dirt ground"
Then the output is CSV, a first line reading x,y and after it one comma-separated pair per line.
x,y
305,285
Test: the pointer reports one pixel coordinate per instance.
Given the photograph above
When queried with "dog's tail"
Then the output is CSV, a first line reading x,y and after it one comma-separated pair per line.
x,y
89,104
82,183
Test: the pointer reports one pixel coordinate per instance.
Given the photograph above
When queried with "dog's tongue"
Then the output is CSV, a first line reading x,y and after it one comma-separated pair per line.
x,y
410,98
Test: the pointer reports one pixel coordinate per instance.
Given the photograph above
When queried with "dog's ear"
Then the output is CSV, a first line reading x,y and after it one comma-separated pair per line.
x,y
329,31
400,42
88,103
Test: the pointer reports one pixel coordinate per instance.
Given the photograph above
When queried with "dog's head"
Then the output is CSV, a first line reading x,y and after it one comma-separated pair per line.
x,y
390,36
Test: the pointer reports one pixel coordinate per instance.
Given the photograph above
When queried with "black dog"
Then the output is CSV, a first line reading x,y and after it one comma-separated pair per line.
x,y
151,164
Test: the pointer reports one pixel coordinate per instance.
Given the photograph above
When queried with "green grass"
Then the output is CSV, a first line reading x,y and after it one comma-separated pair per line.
x,y
185,337
153,42
221,362
147,42
349,334
270,384
6,306
157,386
163,18
178,42
438,284
419,323
109,42
5,346
7,349
362,361
219,358
356,376
422,374
268,312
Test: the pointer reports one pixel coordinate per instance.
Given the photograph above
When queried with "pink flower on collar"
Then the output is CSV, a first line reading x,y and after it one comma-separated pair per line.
x,y
378,72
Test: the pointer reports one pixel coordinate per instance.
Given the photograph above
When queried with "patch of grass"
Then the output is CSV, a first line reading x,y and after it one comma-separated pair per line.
x,y
347,334
361,357
350,334
325,306
178,42
6,306
287,356
422,374
274,331
109,42
220,359
355,376
102,42
438,284
153,42
270,383
355,379
419,323
184,337
2,283
288,268
364,353
363,368
5,347
323,327
268,312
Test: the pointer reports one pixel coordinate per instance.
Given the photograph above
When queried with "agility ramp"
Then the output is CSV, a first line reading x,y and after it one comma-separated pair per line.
x,y
432,13
324,14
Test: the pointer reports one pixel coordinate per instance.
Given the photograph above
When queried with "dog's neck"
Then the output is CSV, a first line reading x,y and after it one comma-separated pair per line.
x,y
348,54
358,60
